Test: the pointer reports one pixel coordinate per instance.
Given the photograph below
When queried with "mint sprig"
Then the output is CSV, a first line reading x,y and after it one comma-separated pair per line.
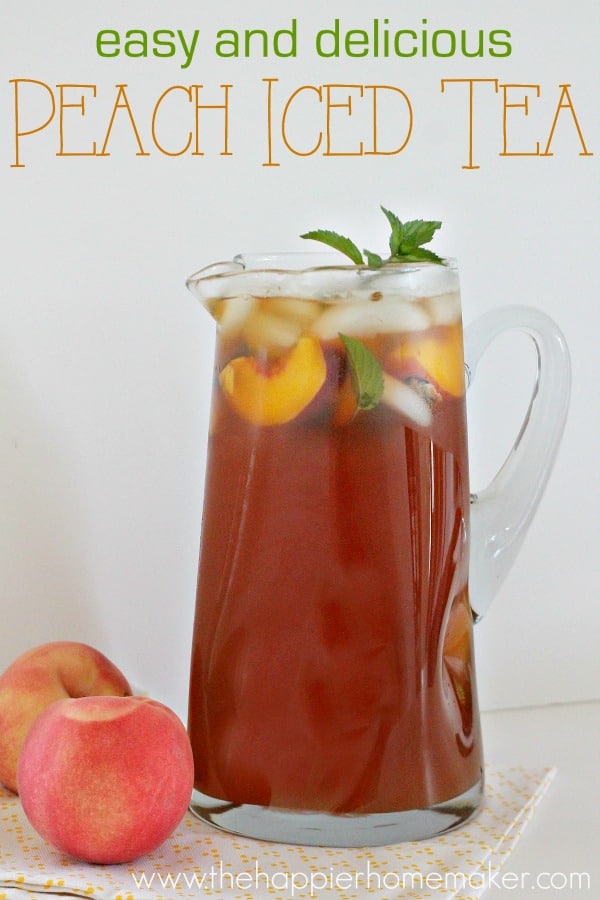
x,y
365,372
406,242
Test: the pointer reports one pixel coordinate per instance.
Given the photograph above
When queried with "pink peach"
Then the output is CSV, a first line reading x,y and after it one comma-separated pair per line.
x,y
106,779
36,679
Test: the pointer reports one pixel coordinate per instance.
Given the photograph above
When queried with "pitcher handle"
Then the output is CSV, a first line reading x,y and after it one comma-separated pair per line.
x,y
502,512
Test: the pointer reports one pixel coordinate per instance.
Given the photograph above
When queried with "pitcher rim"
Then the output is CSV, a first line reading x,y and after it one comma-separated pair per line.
x,y
236,266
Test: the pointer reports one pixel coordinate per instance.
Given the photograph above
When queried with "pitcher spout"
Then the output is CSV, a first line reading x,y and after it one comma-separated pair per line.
x,y
207,284
251,275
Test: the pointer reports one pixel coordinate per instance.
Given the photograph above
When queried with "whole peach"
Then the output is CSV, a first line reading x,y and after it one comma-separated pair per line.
x,y
36,679
106,779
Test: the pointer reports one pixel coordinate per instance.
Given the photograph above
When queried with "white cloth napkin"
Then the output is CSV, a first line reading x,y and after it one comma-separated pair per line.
x,y
198,861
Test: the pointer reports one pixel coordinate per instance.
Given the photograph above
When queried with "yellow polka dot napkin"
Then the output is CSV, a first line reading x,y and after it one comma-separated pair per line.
x,y
198,861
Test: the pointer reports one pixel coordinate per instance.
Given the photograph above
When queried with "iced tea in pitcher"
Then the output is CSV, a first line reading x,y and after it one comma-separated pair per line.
x,y
332,670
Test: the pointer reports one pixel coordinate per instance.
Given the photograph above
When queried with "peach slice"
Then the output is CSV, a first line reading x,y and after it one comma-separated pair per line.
x,y
437,357
457,640
272,393
345,404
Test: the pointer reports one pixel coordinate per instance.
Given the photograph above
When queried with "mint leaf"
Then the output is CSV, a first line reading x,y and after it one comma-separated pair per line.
x,y
416,233
420,254
365,371
397,235
374,260
338,242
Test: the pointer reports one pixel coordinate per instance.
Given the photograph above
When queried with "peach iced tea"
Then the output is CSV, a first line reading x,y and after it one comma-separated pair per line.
x,y
332,664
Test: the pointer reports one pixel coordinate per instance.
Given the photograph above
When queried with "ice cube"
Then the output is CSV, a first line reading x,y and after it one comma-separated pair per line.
x,y
303,311
233,313
444,308
405,400
370,318
265,331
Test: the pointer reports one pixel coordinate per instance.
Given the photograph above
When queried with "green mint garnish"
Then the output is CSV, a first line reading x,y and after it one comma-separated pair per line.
x,y
406,240
338,242
365,371
374,260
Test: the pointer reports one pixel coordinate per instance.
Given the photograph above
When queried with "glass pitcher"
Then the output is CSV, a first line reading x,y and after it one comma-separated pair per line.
x,y
343,559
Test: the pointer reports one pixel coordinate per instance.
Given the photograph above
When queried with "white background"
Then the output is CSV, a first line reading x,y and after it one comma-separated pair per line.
x,y
106,360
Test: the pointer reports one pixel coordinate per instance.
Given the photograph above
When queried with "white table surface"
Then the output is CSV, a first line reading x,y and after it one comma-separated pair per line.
x,y
563,836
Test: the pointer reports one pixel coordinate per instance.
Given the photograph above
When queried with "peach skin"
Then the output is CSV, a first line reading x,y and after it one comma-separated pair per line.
x,y
39,677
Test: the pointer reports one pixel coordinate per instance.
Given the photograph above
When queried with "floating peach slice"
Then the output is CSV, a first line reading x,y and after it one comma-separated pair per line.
x,y
272,393
346,404
457,640
438,358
